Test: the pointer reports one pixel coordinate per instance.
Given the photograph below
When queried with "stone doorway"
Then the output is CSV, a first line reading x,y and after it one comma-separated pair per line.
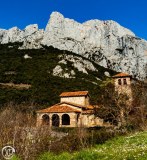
x,y
65,119
45,119
55,120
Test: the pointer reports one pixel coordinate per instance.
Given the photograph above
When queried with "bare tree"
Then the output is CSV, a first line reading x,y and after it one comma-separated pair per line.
x,y
118,109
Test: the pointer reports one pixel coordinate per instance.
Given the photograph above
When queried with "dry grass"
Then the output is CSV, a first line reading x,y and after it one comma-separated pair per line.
x,y
16,86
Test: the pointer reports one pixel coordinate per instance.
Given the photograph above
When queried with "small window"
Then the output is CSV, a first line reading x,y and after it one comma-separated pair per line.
x,y
119,81
125,82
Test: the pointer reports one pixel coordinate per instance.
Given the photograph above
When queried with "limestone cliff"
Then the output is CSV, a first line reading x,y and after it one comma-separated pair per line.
x,y
31,36
104,42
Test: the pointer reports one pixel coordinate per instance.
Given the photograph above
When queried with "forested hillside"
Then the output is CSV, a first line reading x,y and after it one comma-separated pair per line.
x,y
49,72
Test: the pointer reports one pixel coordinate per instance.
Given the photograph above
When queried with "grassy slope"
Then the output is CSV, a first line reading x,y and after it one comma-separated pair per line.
x,y
38,72
132,147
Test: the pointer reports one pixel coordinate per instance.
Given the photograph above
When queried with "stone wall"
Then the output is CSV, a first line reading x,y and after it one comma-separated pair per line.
x,y
89,120
81,100
123,88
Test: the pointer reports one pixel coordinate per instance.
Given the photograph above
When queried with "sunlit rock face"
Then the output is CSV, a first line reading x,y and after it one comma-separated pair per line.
x,y
31,36
105,42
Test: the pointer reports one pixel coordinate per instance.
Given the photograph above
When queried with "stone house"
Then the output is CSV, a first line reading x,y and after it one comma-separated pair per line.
x,y
74,110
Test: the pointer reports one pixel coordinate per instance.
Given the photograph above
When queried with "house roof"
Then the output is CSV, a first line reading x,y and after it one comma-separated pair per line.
x,y
121,75
63,107
73,94
90,107
58,109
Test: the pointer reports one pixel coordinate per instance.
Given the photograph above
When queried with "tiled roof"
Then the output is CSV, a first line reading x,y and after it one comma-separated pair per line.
x,y
90,107
65,108
121,75
58,109
72,94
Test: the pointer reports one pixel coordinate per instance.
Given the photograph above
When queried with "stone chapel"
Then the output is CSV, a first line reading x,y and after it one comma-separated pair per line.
x,y
75,110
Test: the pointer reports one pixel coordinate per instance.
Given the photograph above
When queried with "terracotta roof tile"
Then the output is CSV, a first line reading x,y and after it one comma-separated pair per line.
x,y
72,94
121,75
90,107
58,109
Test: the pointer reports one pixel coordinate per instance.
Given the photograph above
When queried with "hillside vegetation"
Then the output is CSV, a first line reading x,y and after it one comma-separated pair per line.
x,y
37,71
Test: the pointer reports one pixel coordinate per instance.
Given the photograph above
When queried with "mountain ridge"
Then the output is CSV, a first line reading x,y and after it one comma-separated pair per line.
x,y
105,42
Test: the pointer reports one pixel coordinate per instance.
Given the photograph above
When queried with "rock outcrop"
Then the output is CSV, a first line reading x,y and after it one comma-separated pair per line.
x,y
104,42
77,63
31,36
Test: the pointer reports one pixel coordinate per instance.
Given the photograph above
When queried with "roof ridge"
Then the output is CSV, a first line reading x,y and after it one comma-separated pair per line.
x,y
121,74
74,93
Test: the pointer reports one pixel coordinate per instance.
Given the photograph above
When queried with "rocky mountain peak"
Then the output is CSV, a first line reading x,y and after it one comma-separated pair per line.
x,y
31,36
105,42
31,29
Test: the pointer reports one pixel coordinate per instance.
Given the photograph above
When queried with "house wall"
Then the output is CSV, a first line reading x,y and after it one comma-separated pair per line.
x,y
39,119
81,100
89,120
71,106
87,101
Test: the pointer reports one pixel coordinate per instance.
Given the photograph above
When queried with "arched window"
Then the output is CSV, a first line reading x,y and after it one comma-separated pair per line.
x,y
65,119
55,120
125,82
119,81
45,119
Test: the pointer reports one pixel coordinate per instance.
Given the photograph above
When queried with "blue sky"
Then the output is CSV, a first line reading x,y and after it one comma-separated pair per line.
x,y
129,13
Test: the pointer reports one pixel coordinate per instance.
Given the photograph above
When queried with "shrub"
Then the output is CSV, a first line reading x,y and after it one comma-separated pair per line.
x,y
46,156
85,155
